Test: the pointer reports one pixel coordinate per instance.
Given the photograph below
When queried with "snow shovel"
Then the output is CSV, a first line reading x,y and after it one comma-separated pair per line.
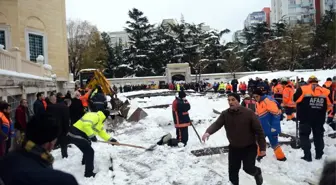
x,y
295,142
129,145
196,133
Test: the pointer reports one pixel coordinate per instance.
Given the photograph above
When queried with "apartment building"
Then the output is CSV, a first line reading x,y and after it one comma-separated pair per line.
x,y
304,11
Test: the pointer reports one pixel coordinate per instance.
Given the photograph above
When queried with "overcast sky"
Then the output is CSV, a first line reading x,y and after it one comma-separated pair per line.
x,y
111,15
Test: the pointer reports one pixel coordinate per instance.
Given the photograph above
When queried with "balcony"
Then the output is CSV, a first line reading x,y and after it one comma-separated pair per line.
x,y
13,64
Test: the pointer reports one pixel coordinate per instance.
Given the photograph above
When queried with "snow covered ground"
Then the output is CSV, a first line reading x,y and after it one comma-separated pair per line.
x,y
165,165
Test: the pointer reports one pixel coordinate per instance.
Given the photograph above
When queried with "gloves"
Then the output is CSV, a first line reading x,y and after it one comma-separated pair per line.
x,y
113,140
94,139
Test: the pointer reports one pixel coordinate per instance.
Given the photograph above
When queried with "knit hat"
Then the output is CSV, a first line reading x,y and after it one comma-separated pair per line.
x,y
43,128
182,94
235,95
258,91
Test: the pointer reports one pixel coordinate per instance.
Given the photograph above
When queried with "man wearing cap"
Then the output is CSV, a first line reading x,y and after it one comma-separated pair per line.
x,y
243,130
84,131
312,105
181,117
269,114
32,164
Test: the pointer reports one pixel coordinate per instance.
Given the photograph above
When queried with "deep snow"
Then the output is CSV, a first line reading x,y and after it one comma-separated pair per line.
x,y
166,165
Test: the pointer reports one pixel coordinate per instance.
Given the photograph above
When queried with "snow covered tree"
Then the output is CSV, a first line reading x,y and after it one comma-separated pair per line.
x,y
139,54
113,60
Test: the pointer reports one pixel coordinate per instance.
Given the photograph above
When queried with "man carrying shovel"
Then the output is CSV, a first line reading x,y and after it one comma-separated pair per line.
x,y
84,131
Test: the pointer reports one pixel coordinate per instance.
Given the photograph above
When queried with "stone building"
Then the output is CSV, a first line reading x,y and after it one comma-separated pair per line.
x,y
33,48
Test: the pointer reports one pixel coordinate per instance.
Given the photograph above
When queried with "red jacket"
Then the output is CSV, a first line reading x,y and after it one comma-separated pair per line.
x,y
20,118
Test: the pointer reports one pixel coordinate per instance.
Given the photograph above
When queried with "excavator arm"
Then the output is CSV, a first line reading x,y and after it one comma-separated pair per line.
x,y
98,79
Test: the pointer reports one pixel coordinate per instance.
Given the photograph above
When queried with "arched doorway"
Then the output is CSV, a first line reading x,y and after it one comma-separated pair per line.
x,y
178,77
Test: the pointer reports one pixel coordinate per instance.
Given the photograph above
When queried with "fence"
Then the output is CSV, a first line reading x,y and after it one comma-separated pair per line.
x,y
12,61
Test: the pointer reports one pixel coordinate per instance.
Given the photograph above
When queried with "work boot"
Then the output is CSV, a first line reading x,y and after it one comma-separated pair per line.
x,y
164,140
91,174
307,157
319,155
258,178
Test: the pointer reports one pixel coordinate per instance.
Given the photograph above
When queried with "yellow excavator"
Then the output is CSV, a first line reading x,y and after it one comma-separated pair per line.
x,y
92,78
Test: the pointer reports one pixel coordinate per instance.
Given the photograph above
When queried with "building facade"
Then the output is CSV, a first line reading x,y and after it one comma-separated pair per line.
x,y
119,37
304,11
238,36
255,18
36,28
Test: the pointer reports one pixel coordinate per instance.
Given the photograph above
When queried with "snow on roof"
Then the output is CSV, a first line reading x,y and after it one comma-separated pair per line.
x,y
88,69
23,75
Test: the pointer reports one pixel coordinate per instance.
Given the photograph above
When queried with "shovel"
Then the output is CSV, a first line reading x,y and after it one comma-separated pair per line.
x,y
295,142
196,133
151,148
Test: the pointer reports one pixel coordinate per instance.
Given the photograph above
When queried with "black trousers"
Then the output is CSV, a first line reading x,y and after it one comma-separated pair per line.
x,y
243,92
305,129
182,135
63,142
246,155
88,153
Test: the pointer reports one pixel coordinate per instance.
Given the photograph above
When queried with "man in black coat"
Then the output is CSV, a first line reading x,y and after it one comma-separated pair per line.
x,y
32,164
60,111
38,106
76,108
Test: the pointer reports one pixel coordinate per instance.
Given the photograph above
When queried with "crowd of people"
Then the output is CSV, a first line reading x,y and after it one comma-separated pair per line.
x,y
59,120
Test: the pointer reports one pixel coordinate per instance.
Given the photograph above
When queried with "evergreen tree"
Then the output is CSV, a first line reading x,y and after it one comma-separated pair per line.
x,y
139,54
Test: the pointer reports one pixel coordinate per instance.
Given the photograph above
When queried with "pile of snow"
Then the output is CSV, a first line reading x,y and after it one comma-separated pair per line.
x,y
143,92
23,75
167,165
322,75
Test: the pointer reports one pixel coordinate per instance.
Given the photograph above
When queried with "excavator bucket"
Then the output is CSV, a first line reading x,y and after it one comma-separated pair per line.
x,y
129,112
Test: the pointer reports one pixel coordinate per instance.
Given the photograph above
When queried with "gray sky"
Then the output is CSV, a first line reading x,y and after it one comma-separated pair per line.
x,y
111,15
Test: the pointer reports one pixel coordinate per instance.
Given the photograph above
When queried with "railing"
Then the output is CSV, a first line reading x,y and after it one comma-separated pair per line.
x,y
7,61
13,61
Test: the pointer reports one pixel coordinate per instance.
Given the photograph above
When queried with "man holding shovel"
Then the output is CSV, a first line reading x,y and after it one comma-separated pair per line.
x,y
84,131
181,118
243,129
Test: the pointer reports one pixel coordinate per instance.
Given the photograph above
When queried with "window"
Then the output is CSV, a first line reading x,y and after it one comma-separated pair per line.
x,y
3,38
35,46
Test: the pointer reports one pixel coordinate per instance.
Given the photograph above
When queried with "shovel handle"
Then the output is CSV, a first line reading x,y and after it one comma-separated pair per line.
x,y
121,144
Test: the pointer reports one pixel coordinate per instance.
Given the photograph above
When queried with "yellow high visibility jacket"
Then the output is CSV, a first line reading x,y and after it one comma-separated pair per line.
x,y
178,87
221,87
92,123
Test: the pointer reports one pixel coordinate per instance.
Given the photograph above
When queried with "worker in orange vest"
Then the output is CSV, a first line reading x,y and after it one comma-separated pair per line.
x,y
312,105
228,88
331,85
85,100
287,99
277,91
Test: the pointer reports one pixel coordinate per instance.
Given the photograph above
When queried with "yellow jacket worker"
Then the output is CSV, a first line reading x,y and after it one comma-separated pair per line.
x,y
84,131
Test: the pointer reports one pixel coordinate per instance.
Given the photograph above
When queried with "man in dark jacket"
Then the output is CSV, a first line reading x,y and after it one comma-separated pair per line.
x,y
60,111
32,164
76,108
243,130
234,84
99,102
40,104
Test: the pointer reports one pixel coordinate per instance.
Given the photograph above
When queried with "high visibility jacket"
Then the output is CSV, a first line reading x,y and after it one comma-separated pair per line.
x,y
269,115
221,87
85,99
180,113
229,87
92,123
242,87
178,87
5,125
287,96
327,84
312,103
278,89
44,104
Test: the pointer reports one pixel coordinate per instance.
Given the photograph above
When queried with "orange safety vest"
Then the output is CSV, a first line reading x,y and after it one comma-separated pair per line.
x,y
5,122
44,104
278,89
85,99
287,96
328,84
229,87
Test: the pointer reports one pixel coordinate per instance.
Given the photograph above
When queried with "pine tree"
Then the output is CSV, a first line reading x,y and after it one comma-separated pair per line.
x,y
139,53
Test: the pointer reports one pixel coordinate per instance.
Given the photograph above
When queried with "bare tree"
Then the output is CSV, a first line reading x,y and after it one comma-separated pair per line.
x,y
80,34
